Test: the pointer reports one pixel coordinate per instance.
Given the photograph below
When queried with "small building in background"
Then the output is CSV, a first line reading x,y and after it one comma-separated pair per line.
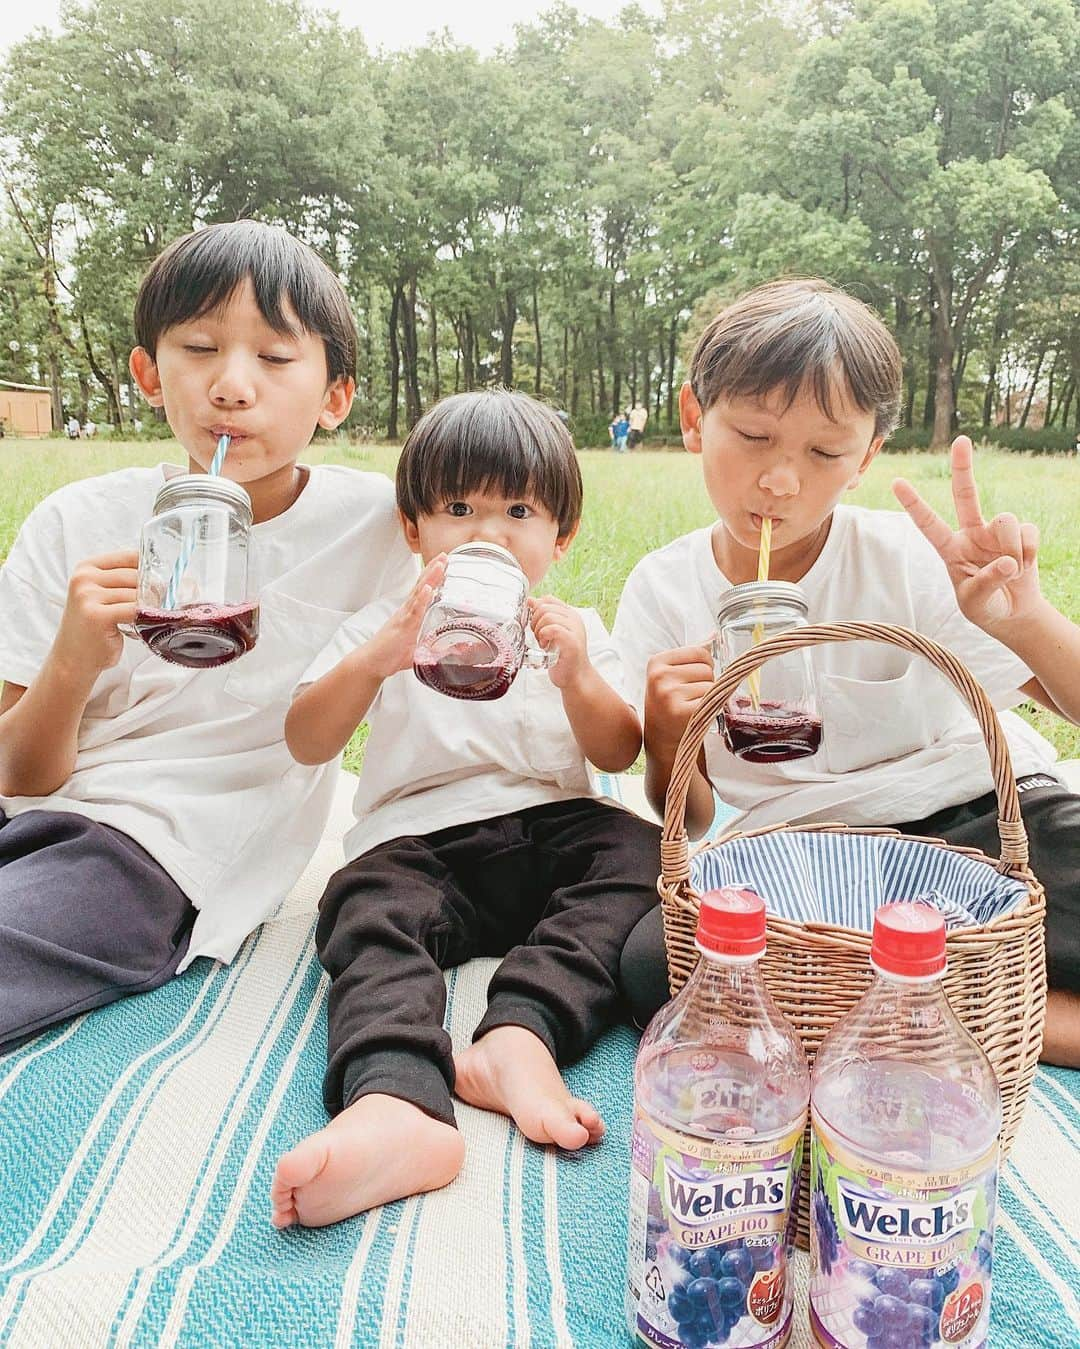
x,y
25,409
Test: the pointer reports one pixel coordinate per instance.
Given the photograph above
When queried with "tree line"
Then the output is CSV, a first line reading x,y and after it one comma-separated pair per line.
x,y
564,215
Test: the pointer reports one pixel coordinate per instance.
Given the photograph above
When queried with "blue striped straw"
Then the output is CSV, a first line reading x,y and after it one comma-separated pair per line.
x,y
187,545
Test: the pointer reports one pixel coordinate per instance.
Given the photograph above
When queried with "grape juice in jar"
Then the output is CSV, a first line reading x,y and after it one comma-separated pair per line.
x,y
721,1092
905,1118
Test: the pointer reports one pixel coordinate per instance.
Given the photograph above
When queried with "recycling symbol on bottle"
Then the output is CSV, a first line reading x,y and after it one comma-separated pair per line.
x,y
655,1284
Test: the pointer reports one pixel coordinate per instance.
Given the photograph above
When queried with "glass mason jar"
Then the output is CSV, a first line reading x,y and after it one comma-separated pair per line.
x,y
772,716
472,641
194,607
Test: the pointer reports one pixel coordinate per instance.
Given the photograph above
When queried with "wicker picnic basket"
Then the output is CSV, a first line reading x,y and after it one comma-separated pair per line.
x,y
996,977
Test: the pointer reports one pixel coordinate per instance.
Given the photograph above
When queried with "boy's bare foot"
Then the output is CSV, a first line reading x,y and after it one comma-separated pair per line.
x,y
511,1070
378,1149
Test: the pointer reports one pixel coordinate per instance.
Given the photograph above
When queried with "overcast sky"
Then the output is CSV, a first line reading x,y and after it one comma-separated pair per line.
x,y
484,24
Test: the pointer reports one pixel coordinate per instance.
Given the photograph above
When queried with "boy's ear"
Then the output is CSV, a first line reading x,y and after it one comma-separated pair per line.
x,y
563,542
690,415
144,372
409,529
338,401
867,460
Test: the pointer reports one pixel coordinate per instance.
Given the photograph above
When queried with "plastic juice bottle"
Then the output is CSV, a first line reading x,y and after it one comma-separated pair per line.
x,y
721,1092
905,1117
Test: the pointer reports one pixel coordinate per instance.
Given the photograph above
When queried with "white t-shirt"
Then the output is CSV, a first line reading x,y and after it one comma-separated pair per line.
x,y
898,743
192,764
432,762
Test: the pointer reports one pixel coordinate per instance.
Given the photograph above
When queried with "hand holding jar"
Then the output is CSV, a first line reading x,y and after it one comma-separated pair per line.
x,y
472,640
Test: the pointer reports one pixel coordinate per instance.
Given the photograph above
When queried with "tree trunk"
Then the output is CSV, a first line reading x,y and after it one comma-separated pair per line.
x,y
412,374
395,364
1051,410
56,396
539,343
646,376
600,367
672,335
564,380
575,379
118,385
661,347
1067,401
115,415
1034,384
435,392
507,317
468,372
944,394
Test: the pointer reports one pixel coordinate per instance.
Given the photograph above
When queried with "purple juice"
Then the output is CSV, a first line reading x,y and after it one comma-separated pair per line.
x,y
773,732
468,658
199,636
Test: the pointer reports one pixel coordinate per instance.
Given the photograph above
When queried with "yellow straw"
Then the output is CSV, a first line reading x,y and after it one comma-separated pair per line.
x,y
763,548
753,680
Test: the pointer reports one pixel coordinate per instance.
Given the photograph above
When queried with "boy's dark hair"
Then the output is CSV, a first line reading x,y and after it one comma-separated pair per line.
x,y
490,440
799,334
199,271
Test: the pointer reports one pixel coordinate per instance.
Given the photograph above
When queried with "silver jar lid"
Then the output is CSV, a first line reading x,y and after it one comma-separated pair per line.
x,y
197,489
479,548
752,596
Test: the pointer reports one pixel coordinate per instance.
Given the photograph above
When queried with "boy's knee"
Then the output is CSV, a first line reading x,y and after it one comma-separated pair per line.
x,y
643,973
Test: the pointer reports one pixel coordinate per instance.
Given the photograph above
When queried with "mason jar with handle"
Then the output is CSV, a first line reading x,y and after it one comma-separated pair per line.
x,y
194,606
773,715
473,640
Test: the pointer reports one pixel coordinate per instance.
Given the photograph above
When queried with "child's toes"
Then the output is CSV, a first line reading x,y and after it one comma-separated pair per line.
x,y
588,1117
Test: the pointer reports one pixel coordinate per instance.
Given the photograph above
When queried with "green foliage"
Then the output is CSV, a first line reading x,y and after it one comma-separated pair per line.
x,y
565,215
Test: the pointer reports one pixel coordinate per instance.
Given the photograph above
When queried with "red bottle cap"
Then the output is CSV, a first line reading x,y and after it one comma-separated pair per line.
x,y
732,922
909,940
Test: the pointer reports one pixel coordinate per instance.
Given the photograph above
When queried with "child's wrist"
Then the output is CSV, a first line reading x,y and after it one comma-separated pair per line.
x,y
1023,627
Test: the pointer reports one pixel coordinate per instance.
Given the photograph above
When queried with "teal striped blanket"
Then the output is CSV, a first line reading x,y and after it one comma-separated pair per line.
x,y
137,1145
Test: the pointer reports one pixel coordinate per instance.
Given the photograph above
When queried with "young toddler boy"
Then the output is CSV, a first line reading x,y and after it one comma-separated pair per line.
x,y
150,812
792,391
480,831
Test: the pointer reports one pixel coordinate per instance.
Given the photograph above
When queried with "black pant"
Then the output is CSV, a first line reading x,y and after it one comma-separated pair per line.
x,y
1051,815
87,916
557,889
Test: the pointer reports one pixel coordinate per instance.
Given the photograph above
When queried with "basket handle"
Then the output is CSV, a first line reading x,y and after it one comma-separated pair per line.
x,y
674,846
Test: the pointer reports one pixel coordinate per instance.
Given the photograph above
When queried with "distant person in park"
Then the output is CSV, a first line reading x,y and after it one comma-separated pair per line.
x,y
792,391
637,419
619,429
71,426
89,429
480,830
150,813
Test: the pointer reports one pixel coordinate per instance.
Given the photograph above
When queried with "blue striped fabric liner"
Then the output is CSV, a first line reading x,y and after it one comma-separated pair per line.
x,y
843,878
137,1144
100,1246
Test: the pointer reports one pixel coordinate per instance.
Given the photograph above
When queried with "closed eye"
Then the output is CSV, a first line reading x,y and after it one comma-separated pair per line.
x,y
278,360
747,436
191,346
824,454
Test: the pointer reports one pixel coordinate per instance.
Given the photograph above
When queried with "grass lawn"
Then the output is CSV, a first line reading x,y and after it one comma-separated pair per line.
x,y
634,503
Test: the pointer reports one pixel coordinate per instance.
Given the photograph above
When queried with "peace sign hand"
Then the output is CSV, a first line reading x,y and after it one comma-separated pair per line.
x,y
992,563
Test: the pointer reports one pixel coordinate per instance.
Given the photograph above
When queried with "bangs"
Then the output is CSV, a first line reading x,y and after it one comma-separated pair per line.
x,y
497,441
801,338
202,271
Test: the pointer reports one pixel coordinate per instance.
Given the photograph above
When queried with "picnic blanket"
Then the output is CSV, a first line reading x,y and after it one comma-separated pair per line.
x,y
137,1145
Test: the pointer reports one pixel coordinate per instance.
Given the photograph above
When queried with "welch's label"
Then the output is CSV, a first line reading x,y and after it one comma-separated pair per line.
x,y
711,1232
899,1257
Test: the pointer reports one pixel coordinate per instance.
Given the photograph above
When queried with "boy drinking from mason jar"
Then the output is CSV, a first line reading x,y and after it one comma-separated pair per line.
x,y
480,830
792,391
151,812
